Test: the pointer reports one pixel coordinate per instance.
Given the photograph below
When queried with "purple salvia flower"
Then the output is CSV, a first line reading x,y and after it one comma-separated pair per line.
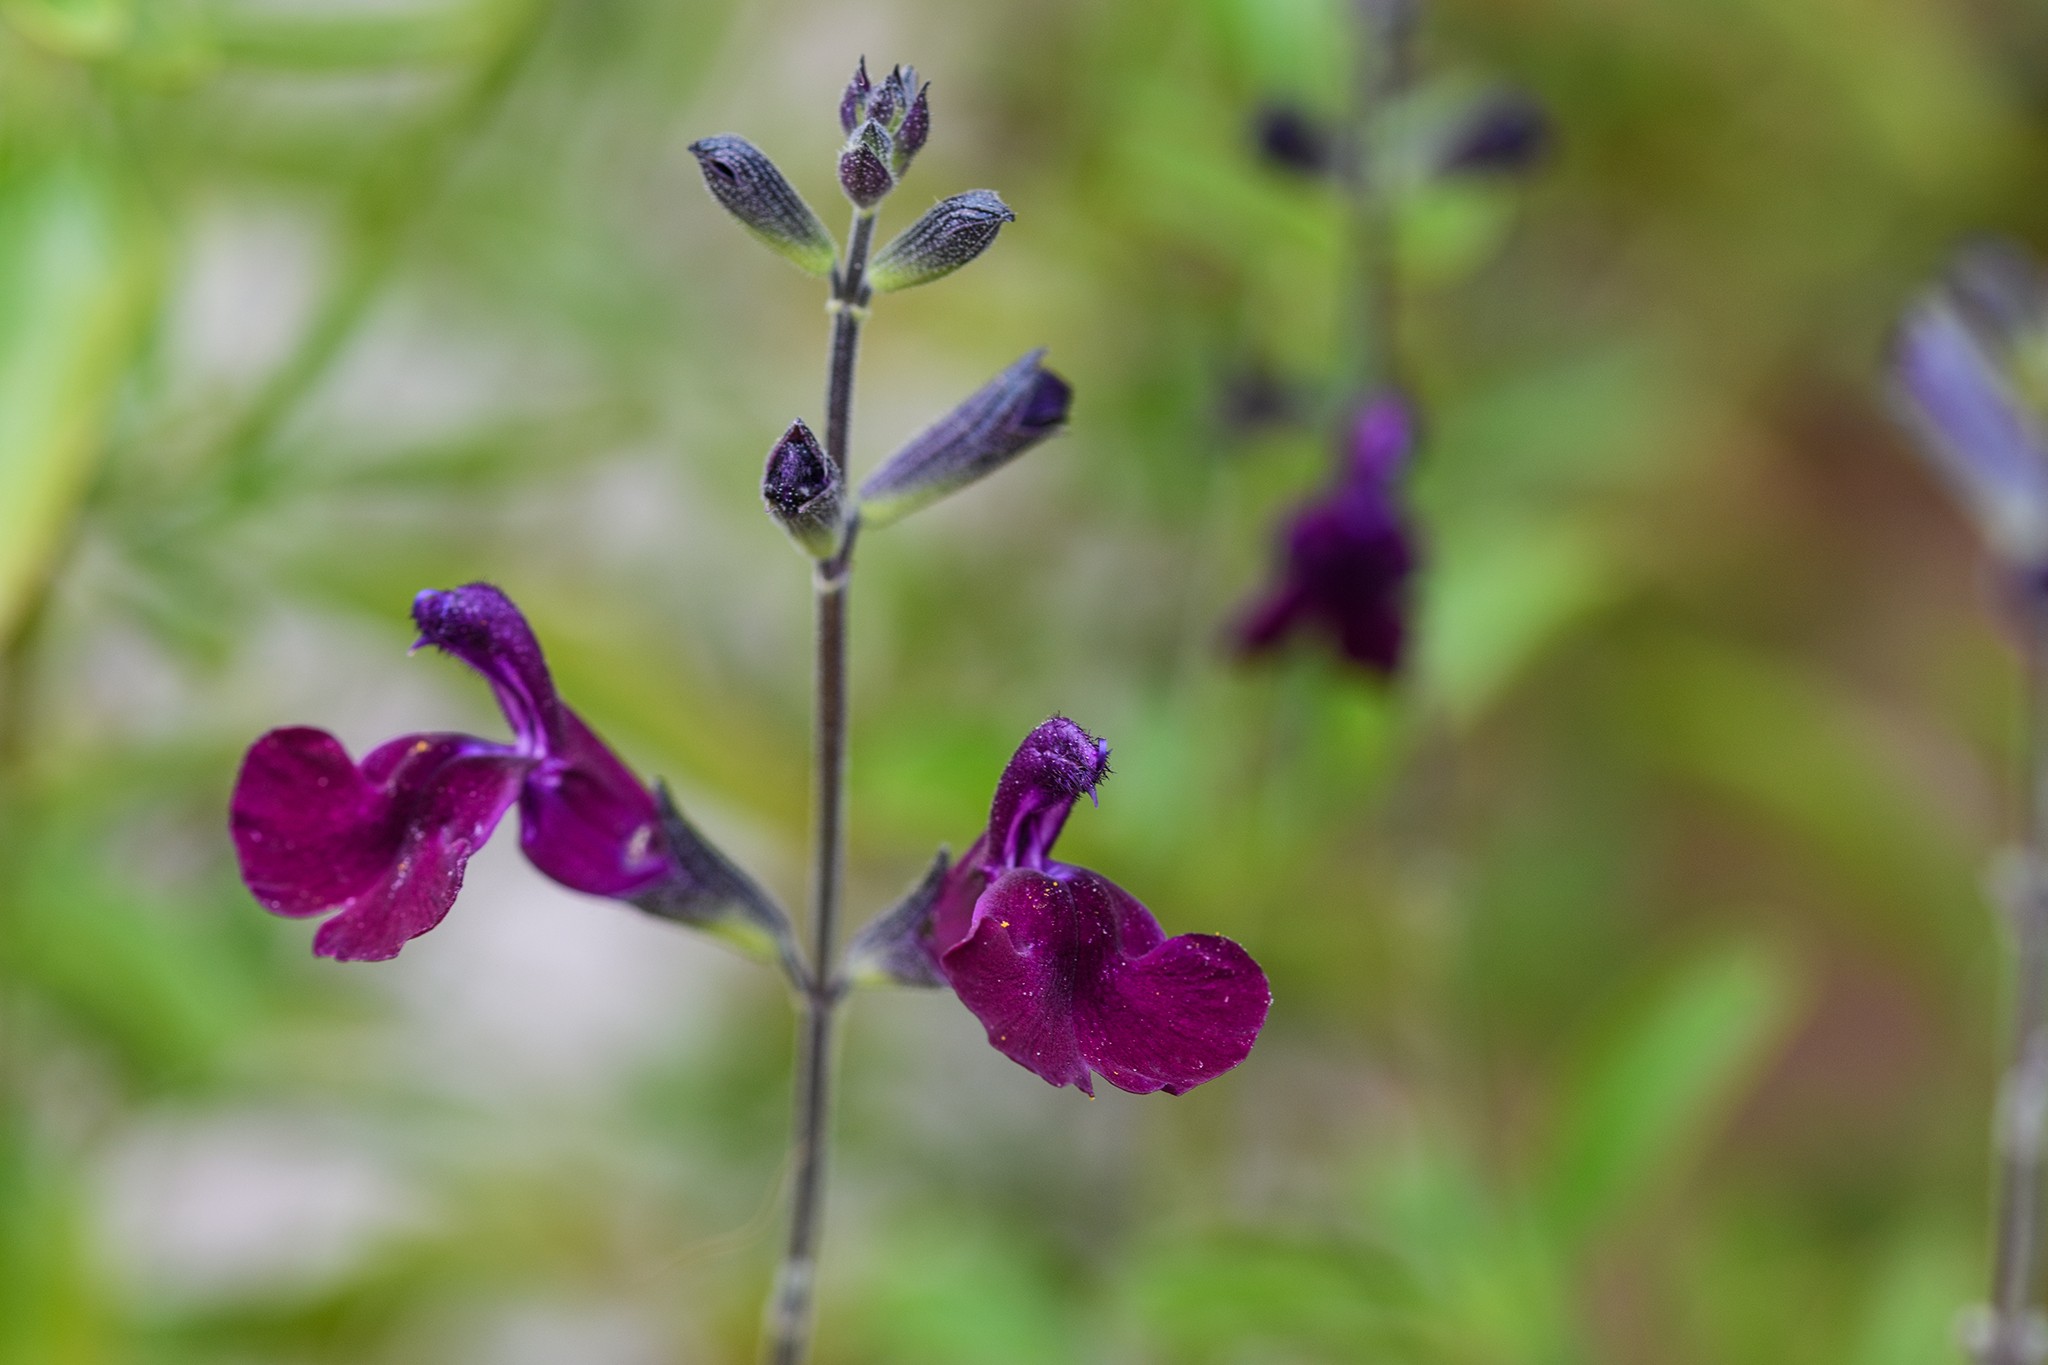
x,y
1975,429
1070,974
998,422
1346,558
385,842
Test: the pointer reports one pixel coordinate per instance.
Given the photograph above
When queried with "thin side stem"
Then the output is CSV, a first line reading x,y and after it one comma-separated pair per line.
x,y
1381,71
2016,1335
791,1311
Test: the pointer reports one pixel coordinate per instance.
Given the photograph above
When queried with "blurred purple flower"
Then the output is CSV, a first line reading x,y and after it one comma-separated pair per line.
x,y
1346,558
1064,968
1955,367
385,841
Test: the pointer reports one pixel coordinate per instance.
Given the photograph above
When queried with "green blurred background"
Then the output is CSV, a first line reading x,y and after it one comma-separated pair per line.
x,y
1636,1000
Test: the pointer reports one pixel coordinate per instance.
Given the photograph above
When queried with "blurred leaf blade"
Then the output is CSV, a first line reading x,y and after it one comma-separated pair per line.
x,y
76,273
1652,1091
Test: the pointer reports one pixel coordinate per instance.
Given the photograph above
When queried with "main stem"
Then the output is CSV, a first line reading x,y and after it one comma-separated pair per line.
x,y
791,1311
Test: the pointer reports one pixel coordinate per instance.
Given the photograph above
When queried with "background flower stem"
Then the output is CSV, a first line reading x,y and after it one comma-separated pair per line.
x,y
790,1312
2015,1336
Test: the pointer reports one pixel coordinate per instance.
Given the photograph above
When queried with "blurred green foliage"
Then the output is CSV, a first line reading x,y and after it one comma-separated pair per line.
x,y
1635,1001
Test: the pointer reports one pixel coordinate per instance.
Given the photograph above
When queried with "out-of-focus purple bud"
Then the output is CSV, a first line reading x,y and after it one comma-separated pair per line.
x,y
1294,140
890,950
1975,430
864,166
749,187
804,490
2001,290
853,105
1006,417
1503,132
1255,399
952,232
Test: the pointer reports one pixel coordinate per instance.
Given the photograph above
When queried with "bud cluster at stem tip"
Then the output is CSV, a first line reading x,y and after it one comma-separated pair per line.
x,y
885,126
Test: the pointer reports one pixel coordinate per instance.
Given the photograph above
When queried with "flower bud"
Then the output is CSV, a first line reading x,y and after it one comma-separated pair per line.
x,y
802,488
917,125
1011,413
1504,132
894,100
1294,140
743,180
952,232
864,166
853,105
882,108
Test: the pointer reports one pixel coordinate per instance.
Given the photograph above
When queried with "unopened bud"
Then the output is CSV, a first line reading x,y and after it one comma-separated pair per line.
x,y
802,488
853,105
917,125
1294,140
894,99
1007,416
864,166
743,180
882,108
1506,131
952,232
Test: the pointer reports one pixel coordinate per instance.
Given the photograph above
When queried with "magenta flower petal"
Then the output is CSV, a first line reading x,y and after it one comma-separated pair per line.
x,y
586,821
1057,764
1069,973
385,843
953,910
479,625
1028,951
